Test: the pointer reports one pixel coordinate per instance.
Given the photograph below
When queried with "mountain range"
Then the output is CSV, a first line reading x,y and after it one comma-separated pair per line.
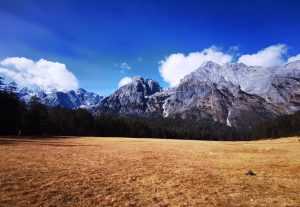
x,y
72,99
233,94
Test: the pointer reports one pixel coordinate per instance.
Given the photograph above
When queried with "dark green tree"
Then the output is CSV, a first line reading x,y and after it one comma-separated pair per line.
x,y
11,109
35,118
10,113
84,122
61,121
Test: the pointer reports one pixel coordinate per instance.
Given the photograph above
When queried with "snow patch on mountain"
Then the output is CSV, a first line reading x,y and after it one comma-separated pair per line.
x,y
72,99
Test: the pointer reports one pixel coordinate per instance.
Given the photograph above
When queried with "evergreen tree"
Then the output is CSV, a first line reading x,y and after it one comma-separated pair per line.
x,y
10,111
84,122
35,118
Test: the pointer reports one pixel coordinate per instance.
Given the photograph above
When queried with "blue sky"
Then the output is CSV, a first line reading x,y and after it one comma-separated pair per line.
x,y
94,38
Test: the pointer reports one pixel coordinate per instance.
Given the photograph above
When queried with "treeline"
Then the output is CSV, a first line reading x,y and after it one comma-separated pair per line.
x,y
283,126
34,118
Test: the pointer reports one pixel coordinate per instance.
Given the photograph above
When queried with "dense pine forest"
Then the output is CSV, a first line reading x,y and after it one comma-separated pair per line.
x,y
34,118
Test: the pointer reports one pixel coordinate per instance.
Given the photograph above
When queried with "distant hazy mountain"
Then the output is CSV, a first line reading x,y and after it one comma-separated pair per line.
x,y
68,99
233,94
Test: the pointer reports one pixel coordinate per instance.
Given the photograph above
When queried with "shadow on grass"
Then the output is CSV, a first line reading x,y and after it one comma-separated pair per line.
x,y
56,141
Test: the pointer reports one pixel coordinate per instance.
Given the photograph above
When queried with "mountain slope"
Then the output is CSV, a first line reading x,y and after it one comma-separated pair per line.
x,y
131,99
68,99
232,94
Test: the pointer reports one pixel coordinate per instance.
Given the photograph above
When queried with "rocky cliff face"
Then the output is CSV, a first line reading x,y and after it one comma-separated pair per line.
x,y
196,98
131,99
284,88
233,94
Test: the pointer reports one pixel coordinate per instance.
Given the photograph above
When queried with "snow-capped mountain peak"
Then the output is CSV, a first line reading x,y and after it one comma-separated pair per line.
x,y
68,99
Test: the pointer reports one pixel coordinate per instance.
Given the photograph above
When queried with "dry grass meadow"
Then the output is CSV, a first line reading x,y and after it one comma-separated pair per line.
x,y
148,172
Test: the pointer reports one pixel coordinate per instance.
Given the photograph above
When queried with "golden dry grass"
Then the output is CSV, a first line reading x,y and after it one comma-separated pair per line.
x,y
148,172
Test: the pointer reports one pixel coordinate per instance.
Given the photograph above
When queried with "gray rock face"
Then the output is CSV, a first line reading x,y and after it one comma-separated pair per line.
x,y
130,99
224,103
233,94
284,90
68,99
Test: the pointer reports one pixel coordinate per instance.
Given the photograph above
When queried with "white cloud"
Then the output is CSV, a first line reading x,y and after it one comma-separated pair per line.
x,y
123,66
42,73
270,56
294,58
124,81
176,66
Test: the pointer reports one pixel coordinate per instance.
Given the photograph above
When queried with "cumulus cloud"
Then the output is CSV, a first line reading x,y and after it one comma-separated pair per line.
x,y
176,66
294,58
270,56
124,81
42,73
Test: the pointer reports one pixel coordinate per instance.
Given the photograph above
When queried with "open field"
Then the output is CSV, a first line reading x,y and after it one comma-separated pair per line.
x,y
148,172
